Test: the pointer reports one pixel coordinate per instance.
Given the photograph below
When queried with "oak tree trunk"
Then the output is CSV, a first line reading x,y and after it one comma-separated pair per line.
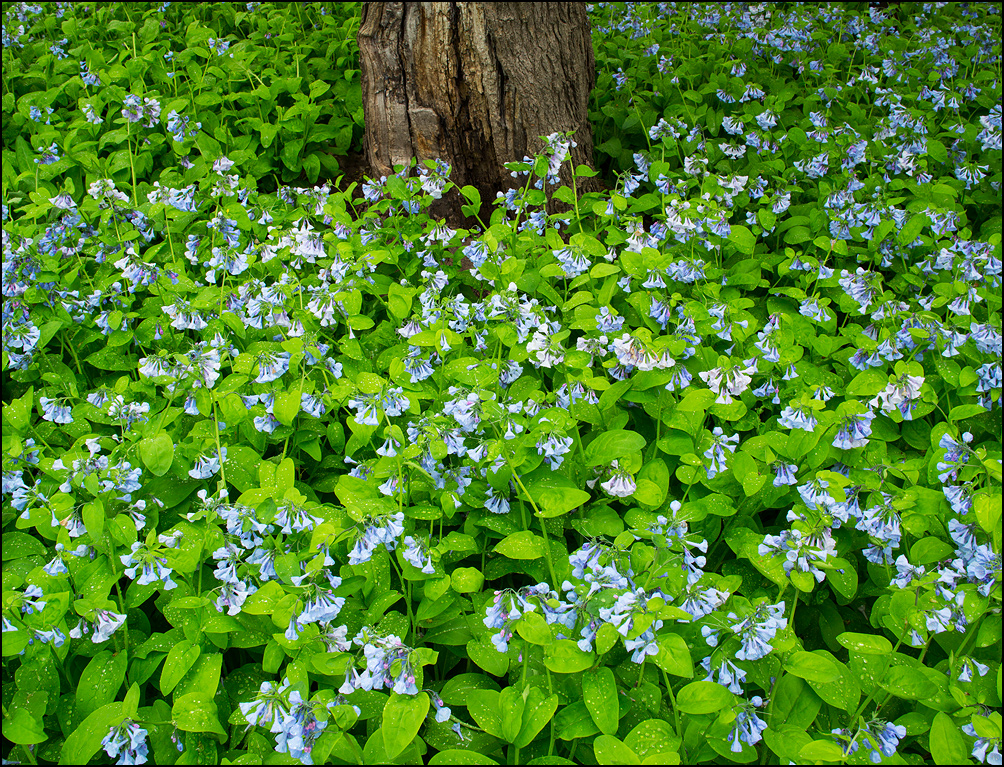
x,y
475,84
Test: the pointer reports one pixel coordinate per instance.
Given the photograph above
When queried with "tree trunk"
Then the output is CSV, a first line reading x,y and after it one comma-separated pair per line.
x,y
476,85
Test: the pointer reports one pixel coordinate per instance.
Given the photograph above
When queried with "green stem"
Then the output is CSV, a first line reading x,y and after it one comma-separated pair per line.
x,y
676,717
871,695
219,448
543,526
132,165
407,600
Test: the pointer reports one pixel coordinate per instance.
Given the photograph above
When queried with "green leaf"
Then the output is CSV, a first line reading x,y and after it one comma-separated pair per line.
x,y
511,707
574,721
460,756
264,600
599,691
866,644
84,742
466,580
93,514
100,682
812,668
196,712
157,453
204,676
565,657
948,746
555,494
611,750
704,698
867,384
536,714
674,656
483,706
402,718
484,654
844,692
534,629
821,751
179,660
287,406
908,683
20,545
911,230
743,238
521,545
22,728
612,445
961,412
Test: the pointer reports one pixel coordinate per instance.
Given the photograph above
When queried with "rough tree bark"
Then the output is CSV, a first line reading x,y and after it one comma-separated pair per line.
x,y
475,84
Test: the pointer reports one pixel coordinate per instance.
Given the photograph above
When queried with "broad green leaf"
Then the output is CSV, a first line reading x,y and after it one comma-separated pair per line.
x,y
179,661
703,698
466,579
674,656
484,654
22,728
653,736
867,384
867,644
19,545
611,750
536,714
483,706
565,657
460,756
286,406
812,668
948,746
157,453
574,721
196,712
511,707
821,751
743,238
611,445
84,742
908,683
534,629
521,545
203,677
100,682
599,692
402,718
843,692
555,494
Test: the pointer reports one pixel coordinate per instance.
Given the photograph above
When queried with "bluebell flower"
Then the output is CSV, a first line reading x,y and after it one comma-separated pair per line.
x,y
883,738
784,473
442,712
208,464
55,410
986,750
748,728
150,564
853,431
729,675
496,504
716,453
758,629
906,573
127,743
269,708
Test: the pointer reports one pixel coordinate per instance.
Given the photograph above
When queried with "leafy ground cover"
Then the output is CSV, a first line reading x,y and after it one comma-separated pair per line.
x,y
706,470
